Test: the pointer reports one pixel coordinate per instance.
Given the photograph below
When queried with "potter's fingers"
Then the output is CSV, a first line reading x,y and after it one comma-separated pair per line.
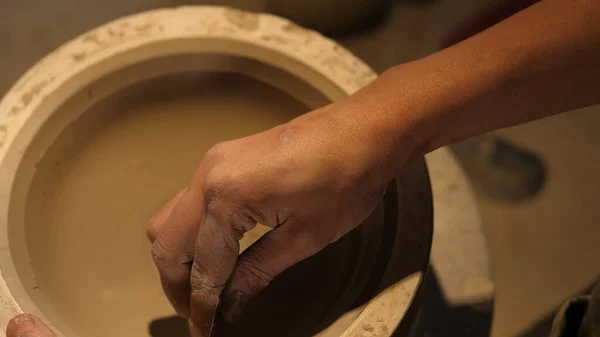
x,y
173,249
262,262
157,222
217,250
26,325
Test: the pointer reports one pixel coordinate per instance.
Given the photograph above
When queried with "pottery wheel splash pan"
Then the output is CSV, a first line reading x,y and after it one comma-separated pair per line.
x,y
101,133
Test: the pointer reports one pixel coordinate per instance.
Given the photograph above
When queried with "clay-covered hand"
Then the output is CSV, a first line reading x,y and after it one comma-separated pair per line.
x,y
26,325
312,180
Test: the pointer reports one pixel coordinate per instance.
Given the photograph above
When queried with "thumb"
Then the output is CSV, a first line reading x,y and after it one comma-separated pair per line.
x,y
262,262
27,325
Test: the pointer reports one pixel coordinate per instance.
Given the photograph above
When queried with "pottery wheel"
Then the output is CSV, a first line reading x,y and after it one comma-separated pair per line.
x,y
99,135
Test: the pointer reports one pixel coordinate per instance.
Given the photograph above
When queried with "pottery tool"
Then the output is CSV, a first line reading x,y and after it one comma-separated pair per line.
x,y
213,329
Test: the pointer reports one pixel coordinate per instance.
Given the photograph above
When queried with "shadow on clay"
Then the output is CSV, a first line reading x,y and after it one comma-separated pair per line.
x,y
173,326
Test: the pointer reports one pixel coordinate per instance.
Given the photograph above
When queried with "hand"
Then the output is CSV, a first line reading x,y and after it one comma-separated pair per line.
x,y
312,180
26,325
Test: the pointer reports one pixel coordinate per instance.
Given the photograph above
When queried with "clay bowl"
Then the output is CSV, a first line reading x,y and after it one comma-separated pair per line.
x,y
102,132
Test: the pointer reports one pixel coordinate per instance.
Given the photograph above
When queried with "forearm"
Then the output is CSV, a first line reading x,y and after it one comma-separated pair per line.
x,y
542,61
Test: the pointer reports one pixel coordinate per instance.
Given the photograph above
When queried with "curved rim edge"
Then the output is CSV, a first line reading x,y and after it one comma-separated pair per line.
x,y
274,35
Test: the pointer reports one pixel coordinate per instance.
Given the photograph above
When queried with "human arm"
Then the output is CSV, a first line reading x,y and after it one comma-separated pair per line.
x,y
542,61
302,178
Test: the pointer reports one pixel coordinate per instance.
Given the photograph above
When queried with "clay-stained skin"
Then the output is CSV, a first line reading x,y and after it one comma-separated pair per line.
x,y
97,188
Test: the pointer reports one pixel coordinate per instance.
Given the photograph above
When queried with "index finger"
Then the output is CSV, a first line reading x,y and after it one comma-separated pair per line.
x,y
173,249
156,224
215,257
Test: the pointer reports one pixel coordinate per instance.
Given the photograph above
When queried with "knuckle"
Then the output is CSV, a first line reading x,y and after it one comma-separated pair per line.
x,y
224,192
216,152
256,276
152,230
309,236
215,187
159,253
200,283
224,183
240,223
213,179
216,206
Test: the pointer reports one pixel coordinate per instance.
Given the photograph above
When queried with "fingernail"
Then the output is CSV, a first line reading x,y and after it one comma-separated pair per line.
x,y
234,306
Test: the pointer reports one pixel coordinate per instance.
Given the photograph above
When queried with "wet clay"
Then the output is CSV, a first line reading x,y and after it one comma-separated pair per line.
x,y
113,168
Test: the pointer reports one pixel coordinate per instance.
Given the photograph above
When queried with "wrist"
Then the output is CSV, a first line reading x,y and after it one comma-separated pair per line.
x,y
436,101
402,117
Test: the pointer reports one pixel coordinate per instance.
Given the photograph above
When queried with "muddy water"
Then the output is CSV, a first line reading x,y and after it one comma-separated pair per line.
x,y
109,172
